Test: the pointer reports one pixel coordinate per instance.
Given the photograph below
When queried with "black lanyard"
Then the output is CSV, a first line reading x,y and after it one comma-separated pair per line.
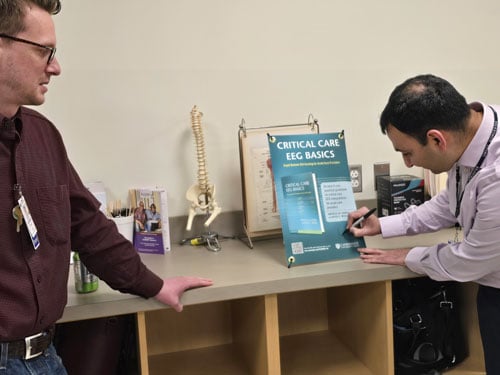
x,y
477,168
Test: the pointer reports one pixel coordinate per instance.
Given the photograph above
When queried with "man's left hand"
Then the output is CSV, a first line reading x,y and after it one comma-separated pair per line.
x,y
396,256
173,288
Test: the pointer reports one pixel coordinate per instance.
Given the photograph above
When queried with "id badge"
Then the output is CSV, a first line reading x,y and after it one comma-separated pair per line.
x,y
30,224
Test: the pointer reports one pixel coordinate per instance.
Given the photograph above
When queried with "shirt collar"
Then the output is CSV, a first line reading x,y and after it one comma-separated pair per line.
x,y
11,128
474,150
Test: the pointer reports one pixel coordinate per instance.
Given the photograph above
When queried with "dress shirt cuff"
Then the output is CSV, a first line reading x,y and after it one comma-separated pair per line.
x,y
392,226
414,259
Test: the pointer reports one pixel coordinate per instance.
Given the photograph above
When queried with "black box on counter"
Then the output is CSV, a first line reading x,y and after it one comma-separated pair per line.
x,y
396,193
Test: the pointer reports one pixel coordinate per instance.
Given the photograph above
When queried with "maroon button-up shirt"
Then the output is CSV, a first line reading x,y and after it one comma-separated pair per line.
x,y
33,283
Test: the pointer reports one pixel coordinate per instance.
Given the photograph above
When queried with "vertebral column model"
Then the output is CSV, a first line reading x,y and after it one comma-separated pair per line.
x,y
201,195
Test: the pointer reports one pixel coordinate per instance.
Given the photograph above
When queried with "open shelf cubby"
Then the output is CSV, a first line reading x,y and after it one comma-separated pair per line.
x,y
342,330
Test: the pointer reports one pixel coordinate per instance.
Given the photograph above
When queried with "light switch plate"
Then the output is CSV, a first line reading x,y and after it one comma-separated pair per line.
x,y
380,169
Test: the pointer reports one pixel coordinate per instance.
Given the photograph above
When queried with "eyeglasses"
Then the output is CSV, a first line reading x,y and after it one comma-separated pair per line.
x,y
51,49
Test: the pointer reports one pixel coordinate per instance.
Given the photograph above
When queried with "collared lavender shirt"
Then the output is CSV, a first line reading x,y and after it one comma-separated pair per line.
x,y
477,256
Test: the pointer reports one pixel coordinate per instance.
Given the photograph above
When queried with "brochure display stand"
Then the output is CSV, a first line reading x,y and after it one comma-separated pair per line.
x,y
260,207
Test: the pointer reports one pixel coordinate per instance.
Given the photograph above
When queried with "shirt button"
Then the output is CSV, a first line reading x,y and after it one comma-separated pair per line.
x,y
39,279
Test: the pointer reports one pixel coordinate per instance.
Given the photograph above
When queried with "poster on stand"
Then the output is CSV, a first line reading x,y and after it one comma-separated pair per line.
x,y
314,194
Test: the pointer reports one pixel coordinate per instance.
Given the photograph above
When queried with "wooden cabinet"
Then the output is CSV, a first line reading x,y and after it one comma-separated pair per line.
x,y
341,330
229,337
261,317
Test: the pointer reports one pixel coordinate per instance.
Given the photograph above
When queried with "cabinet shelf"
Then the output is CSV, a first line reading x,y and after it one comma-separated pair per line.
x,y
221,359
319,353
340,330
343,330
229,337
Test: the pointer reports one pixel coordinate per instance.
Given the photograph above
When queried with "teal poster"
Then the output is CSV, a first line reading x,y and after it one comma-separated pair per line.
x,y
314,193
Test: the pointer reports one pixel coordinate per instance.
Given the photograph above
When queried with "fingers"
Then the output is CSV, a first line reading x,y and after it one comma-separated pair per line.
x,y
354,215
368,227
198,282
178,307
368,250
394,256
205,282
191,282
174,287
358,232
369,255
365,229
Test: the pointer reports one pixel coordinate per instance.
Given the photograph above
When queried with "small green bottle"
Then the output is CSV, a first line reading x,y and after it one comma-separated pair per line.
x,y
85,282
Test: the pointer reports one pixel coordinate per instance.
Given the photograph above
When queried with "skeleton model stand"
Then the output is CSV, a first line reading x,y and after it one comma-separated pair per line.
x,y
202,195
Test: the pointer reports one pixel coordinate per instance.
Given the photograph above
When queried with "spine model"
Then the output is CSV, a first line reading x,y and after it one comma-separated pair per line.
x,y
202,194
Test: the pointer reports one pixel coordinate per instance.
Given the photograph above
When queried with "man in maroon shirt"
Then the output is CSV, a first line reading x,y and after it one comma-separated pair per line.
x,y
63,215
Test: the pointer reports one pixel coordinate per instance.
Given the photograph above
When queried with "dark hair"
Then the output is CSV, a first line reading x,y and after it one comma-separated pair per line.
x,y
12,13
422,103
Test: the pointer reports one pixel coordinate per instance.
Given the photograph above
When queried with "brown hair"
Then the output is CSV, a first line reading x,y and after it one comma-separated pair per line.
x,y
12,13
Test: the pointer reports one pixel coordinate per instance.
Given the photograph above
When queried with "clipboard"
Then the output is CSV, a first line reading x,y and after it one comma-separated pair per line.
x,y
260,210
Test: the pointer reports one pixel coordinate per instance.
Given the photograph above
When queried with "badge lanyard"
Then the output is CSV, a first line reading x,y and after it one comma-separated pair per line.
x,y
476,169
21,212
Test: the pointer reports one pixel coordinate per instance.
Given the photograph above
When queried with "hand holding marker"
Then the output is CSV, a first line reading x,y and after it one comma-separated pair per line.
x,y
357,223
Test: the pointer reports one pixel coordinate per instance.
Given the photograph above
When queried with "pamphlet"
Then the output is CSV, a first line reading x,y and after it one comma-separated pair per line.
x,y
151,225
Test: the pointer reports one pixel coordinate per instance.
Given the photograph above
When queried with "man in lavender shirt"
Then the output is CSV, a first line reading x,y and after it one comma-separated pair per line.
x,y
433,127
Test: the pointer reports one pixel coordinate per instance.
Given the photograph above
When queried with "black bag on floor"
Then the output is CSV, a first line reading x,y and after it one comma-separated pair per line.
x,y
428,333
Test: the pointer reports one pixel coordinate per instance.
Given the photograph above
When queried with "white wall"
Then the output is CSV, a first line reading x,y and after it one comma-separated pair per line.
x,y
133,70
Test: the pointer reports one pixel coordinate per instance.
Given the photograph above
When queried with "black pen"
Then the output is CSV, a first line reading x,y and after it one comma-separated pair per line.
x,y
357,223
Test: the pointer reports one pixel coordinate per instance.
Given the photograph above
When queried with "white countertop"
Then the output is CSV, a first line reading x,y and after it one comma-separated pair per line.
x,y
239,272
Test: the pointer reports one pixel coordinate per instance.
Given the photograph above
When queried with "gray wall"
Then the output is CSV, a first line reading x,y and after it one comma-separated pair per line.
x,y
133,70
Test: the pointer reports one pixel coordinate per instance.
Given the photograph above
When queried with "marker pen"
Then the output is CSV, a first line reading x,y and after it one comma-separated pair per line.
x,y
357,223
